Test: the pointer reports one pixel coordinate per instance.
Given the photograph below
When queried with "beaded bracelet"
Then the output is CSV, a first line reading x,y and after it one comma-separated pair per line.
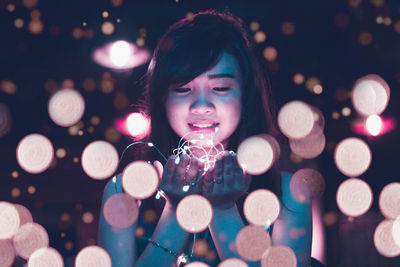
x,y
183,258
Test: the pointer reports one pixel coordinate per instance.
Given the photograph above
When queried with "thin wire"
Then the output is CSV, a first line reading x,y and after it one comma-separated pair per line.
x,y
149,144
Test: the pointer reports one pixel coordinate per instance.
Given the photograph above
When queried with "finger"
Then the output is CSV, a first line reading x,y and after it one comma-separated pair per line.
x,y
229,178
240,178
180,170
159,168
192,172
169,170
219,170
208,183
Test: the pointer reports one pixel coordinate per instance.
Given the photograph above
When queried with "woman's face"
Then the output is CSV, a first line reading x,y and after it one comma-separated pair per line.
x,y
210,103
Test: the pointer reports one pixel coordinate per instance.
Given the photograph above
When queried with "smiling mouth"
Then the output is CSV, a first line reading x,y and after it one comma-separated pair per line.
x,y
203,127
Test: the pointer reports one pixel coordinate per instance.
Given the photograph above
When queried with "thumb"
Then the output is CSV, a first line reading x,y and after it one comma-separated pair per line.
x,y
159,167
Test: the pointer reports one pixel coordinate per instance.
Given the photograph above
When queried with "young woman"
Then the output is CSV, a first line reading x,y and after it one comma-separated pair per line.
x,y
204,74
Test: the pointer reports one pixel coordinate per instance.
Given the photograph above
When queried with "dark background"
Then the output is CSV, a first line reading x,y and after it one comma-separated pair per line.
x,y
325,44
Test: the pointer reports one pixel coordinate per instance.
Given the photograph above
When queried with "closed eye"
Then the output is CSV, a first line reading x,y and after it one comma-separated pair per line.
x,y
221,89
181,90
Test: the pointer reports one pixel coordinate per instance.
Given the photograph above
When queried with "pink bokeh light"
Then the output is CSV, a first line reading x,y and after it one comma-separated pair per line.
x,y
360,127
135,124
120,55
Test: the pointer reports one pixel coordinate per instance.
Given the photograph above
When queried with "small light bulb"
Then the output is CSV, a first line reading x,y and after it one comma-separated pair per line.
x,y
185,188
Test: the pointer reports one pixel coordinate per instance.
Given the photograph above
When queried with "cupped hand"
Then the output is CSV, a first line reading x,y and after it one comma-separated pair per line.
x,y
177,174
223,185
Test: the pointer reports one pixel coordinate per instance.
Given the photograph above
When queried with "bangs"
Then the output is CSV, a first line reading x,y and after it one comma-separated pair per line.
x,y
188,57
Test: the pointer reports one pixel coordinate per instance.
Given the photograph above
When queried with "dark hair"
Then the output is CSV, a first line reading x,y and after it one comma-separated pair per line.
x,y
193,46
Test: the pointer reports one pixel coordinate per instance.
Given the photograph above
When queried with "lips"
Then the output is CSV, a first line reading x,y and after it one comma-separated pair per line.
x,y
203,126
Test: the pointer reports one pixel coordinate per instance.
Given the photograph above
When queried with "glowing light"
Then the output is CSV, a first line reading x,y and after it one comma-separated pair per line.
x,y
15,192
374,125
279,256
370,95
18,23
377,3
93,256
140,41
389,201
68,245
150,216
387,21
270,53
194,213
9,220
95,120
29,238
365,38
335,115
288,28
61,153
257,154
137,124
384,241
354,197
105,14
317,89
121,55
261,206
99,160
352,156
120,52
296,119
7,255
8,87
112,135
87,217
233,262
330,218
121,210
396,231
66,107
197,264
140,179
5,120
200,248
35,153
24,214
254,26
298,78
10,8
200,146
116,3
107,28
89,34
309,147
259,36
78,33
31,189
35,26
346,111
254,237
360,127
35,14
46,257
30,3
396,27
307,184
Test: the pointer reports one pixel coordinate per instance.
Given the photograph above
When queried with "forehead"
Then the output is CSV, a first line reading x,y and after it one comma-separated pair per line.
x,y
227,64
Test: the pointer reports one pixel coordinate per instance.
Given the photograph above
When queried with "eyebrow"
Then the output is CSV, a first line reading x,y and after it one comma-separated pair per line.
x,y
221,75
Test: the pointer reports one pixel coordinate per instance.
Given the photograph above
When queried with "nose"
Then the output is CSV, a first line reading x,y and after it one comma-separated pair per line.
x,y
202,105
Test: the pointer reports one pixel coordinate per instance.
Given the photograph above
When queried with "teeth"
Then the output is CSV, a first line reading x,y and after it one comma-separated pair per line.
x,y
204,125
